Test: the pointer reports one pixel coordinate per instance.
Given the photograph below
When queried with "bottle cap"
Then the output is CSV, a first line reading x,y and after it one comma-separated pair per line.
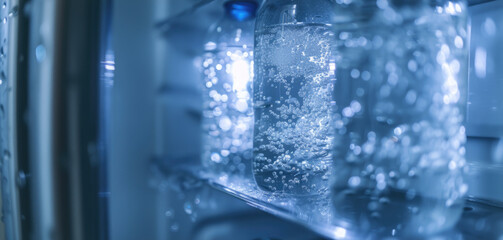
x,y
241,10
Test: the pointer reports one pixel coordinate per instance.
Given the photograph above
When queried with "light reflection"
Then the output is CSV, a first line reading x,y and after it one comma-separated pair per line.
x,y
109,69
339,233
498,152
489,27
240,75
480,62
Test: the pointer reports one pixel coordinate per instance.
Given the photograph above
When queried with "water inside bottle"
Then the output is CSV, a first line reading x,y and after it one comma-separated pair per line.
x,y
399,142
293,93
228,114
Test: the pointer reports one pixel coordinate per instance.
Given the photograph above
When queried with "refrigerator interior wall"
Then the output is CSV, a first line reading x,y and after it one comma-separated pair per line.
x,y
138,61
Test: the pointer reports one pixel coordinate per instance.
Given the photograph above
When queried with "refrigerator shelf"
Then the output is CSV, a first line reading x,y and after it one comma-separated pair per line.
x,y
480,220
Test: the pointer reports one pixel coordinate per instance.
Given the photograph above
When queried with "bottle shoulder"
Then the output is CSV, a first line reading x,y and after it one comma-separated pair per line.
x,y
295,11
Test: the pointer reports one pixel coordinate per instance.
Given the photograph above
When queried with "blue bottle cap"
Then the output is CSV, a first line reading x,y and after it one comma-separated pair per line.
x,y
241,10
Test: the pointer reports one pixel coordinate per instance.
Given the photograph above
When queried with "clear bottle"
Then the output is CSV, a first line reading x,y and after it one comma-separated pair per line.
x,y
293,91
228,74
400,103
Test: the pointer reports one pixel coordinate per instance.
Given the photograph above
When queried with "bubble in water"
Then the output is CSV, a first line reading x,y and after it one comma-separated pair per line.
x,y
414,209
354,181
293,124
375,215
412,65
408,86
458,42
373,206
366,75
228,116
384,200
215,157
355,73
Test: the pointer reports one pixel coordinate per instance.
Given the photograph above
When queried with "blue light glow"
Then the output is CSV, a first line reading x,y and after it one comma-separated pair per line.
x,y
241,10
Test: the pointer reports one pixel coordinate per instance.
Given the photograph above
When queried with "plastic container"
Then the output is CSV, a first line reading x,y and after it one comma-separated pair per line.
x,y
228,76
293,91
400,104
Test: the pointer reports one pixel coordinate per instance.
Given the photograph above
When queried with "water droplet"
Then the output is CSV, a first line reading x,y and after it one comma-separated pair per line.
x,y
489,27
375,215
373,206
413,209
4,20
355,73
2,114
174,227
21,179
480,224
13,12
411,194
193,217
384,200
40,52
169,213
187,206
4,5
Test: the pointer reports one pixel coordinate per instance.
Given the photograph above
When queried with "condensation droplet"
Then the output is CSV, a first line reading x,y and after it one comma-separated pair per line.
x,y
169,214
13,12
187,207
2,113
40,52
174,227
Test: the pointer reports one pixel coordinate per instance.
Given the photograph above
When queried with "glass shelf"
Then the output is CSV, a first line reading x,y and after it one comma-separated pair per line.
x,y
480,220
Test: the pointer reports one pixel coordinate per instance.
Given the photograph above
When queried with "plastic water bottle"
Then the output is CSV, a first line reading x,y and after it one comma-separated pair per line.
x,y
228,76
293,91
400,102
